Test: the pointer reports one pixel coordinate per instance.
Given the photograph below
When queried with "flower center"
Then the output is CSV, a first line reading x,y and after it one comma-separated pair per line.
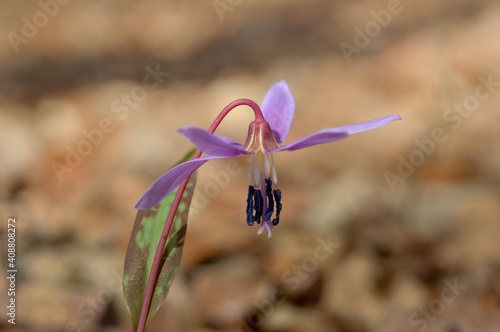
x,y
263,193
260,137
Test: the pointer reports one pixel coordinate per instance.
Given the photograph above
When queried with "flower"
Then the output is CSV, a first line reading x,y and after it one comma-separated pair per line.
x,y
265,136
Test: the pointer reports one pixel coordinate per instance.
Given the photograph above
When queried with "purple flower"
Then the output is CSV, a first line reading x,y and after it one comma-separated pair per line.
x,y
265,136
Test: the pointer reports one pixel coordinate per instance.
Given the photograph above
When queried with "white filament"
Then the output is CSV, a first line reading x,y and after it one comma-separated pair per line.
x,y
267,166
250,169
256,174
275,177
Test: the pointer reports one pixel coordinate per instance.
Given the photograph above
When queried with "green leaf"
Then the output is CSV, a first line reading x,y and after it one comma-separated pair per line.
x,y
146,233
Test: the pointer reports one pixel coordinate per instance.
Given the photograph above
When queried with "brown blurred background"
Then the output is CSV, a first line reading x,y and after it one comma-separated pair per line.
x,y
391,230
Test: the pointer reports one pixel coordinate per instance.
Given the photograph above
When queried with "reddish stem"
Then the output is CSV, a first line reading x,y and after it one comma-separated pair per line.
x,y
155,269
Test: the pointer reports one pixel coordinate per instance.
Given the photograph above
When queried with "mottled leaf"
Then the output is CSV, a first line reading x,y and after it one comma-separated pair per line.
x,y
142,247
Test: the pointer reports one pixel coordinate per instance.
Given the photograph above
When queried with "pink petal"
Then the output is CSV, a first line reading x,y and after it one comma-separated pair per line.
x,y
369,125
210,143
320,137
167,183
278,108
335,134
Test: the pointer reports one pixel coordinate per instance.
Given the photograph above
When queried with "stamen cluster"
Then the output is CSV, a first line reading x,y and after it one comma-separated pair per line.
x,y
264,197
255,202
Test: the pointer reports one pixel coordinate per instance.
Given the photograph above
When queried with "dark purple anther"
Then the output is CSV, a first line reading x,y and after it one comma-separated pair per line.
x,y
259,205
270,200
250,203
277,198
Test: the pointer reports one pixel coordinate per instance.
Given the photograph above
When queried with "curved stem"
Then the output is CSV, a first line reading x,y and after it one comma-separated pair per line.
x,y
230,106
155,269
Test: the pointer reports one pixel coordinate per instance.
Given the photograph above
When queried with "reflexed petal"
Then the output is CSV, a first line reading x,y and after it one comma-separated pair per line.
x,y
320,137
368,125
210,143
228,140
278,107
166,183
335,134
